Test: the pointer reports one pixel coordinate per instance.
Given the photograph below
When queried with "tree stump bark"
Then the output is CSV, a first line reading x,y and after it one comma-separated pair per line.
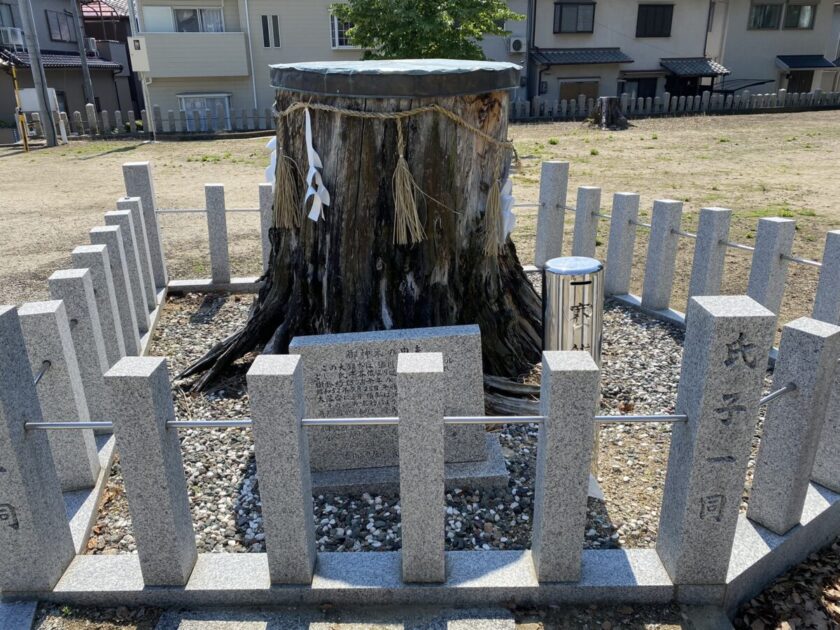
x,y
346,274
608,114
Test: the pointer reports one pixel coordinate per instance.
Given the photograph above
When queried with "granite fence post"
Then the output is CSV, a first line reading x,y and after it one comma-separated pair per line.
x,y
826,470
144,117
150,456
122,219
182,122
421,438
157,114
95,258
661,254
106,122
773,239
78,125
35,541
727,343
140,183
135,206
118,122
75,288
554,182
827,302
275,385
266,220
46,333
170,121
132,122
111,236
93,124
808,355
709,252
622,240
214,195
568,401
586,222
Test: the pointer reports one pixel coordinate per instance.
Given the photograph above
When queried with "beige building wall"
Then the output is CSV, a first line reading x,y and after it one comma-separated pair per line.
x,y
164,92
615,27
751,54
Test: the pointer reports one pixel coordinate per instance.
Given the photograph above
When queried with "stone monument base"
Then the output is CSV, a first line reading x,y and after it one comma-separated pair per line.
x,y
484,475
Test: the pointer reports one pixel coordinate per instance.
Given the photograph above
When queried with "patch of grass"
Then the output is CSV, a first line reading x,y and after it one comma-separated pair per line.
x,y
654,137
722,140
771,211
594,152
553,141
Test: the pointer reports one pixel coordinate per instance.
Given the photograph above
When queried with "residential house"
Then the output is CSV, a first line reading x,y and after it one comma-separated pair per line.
x,y
772,44
203,53
608,47
59,46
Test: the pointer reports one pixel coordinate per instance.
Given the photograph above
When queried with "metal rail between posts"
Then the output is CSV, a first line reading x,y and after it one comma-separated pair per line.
x,y
389,420
200,210
803,261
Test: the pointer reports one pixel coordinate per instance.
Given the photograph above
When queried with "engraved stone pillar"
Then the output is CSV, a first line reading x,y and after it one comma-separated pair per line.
x,y
421,436
727,342
709,252
135,206
111,236
150,456
182,122
275,385
95,258
75,289
214,195
568,401
266,219
139,183
35,541
46,332
122,219
170,120
625,212
586,223
773,238
661,254
93,124
808,355
132,122
827,303
118,122
554,182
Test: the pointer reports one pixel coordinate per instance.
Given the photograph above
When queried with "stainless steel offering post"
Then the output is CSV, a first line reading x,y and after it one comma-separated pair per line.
x,y
573,305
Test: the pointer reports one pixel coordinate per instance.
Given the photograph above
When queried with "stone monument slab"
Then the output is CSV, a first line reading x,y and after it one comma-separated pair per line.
x,y
355,375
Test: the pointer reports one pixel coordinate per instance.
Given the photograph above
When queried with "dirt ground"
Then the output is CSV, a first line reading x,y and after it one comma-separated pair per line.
x,y
765,165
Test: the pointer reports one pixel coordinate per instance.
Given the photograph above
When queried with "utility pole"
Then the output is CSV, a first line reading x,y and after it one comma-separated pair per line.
x,y
87,84
37,67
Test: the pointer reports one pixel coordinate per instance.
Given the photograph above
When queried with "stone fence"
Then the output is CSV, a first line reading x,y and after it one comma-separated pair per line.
x,y
541,109
105,124
79,360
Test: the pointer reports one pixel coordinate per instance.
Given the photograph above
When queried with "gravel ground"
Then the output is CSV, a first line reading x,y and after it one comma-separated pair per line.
x,y
641,362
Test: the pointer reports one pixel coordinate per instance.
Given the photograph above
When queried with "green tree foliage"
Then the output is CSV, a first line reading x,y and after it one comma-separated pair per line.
x,y
423,29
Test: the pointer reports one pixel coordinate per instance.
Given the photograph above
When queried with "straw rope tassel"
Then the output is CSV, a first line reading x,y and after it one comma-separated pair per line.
x,y
407,224
287,205
493,228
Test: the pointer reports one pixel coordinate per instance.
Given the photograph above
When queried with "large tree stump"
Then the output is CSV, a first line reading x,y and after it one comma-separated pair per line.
x,y
345,273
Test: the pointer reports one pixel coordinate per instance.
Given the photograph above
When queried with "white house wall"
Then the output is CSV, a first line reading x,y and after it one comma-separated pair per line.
x,y
615,27
751,54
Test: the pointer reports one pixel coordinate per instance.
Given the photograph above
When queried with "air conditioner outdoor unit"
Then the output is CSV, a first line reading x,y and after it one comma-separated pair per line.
x,y
90,45
11,37
517,44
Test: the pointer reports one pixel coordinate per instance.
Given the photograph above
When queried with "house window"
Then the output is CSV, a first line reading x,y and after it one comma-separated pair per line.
x,y
206,105
574,17
199,21
61,26
765,16
800,16
6,17
271,31
654,20
338,31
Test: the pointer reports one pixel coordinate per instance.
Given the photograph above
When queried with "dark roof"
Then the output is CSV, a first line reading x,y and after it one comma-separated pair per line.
x,y
575,56
55,59
803,62
693,67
